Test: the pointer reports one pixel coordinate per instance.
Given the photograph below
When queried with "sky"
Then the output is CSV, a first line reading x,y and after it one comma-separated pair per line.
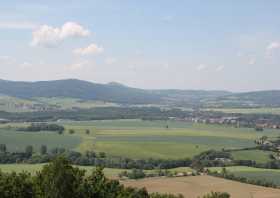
x,y
160,44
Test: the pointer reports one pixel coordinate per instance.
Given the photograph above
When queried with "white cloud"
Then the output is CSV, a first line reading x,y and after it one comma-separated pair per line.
x,y
77,66
110,61
89,50
220,68
17,25
201,67
49,36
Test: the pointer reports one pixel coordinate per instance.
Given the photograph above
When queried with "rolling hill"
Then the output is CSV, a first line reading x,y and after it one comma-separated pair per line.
x,y
124,95
111,92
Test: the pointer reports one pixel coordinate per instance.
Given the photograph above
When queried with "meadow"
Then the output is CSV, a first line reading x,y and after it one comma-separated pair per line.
x,y
17,141
270,175
151,139
139,139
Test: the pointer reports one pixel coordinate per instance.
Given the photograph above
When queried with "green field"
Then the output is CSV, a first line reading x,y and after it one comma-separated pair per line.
x,y
262,110
270,175
145,139
13,104
255,155
17,141
142,139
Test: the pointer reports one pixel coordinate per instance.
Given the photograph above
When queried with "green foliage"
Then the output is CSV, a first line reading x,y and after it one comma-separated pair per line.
x,y
87,131
71,131
217,195
60,180
16,185
3,148
43,150
36,127
134,174
29,150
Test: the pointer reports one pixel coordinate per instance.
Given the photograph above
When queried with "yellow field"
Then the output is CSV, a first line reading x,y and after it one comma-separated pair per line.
x,y
194,186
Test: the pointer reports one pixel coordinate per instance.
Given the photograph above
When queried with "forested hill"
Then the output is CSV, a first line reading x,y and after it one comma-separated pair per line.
x,y
268,98
118,93
73,88
111,92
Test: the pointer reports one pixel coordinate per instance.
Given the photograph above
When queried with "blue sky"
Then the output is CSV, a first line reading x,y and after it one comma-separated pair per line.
x,y
230,45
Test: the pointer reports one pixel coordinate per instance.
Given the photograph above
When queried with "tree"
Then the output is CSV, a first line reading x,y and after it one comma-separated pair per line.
x,y
3,148
224,171
102,155
43,150
259,128
263,139
16,185
29,150
217,195
87,131
71,131
59,179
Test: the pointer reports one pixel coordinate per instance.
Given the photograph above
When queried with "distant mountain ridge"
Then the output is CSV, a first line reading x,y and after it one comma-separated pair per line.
x,y
74,88
118,93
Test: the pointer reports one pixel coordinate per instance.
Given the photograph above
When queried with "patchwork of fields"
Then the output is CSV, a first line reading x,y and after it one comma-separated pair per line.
x,y
142,139
151,139
139,139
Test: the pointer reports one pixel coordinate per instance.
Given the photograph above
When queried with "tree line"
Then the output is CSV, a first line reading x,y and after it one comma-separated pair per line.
x,y
59,179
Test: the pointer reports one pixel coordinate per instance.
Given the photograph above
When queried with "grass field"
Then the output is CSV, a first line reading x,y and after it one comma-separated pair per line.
x,y
255,155
142,139
69,103
145,139
262,110
194,186
17,141
270,175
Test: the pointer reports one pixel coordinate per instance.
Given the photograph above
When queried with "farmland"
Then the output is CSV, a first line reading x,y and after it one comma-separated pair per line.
x,y
109,172
145,139
270,175
260,110
17,141
137,139
14,104
141,139
192,187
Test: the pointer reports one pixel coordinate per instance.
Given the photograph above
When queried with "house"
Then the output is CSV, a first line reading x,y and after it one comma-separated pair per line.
x,y
268,143
223,159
